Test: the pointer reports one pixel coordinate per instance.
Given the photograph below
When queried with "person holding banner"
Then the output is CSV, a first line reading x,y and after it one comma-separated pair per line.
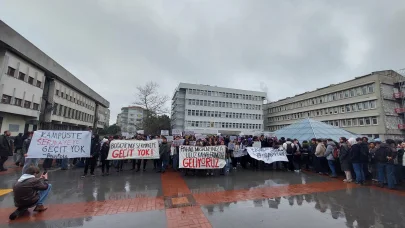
x,y
105,164
28,161
164,153
92,160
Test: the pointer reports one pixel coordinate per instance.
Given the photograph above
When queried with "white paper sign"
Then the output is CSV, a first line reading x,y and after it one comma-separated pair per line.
x,y
169,138
239,153
188,132
267,154
60,144
176,132
257,144
141,132
164,132
133,149
199,157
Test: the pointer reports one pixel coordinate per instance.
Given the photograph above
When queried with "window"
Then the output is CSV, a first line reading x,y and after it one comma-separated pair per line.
x,y
364,89
359,92
31,80
354,107
354,122
352,93
11,71
372,104
60,110
360,106
346,93
361,122
55,109
367,121
35,106
365,105
343,123
374,120
17,101
57,92
39,84
348,108
21,76
336,123
349,122
62,95
342,109
27,104
6,99
371,88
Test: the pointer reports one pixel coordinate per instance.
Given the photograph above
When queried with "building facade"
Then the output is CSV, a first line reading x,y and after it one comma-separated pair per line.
x,y
370,105
38,93
209,109
130,119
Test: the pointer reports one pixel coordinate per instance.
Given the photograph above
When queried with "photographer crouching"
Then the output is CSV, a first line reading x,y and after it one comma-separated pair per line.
x,y
30,190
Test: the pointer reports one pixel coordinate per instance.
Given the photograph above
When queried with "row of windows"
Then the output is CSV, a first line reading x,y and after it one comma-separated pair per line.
x,y
6,99
353,122
74,100
224,94
224,114
223,104
328,111
208,124
23,77
358,91
71,113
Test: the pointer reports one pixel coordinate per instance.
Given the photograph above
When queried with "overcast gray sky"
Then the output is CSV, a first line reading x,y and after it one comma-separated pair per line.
x,y
285,47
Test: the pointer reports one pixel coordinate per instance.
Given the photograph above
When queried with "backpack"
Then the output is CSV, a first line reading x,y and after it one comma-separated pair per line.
x,y
290,149
336,153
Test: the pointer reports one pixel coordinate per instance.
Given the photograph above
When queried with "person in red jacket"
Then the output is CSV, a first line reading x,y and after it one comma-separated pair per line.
x,y
30,190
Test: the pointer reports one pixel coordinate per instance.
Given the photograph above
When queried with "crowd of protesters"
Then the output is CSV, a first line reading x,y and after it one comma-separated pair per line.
x,y
356,158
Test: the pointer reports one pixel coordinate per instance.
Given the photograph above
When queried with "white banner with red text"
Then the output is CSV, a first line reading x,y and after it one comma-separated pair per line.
x,y
202,157
133,149
60,144
267,154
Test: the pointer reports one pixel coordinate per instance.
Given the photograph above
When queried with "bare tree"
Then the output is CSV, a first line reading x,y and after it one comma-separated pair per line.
x,y
148,97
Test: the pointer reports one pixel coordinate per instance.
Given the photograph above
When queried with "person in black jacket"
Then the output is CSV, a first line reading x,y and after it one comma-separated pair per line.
x,y
105,164
18,143
357,160
385,157
5,149
94,152
365,156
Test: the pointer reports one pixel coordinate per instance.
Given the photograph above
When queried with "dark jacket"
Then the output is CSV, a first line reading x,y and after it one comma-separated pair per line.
x,y
104,150
364,152
355,153
344,157
18,141
26,190
5,147
383,152
26,145
400,156
95,147
164,151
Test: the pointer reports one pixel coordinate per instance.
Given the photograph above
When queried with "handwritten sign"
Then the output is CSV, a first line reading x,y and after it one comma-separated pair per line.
x,y
257,144
178,142
188,132
124,149
169,138
267,154
141,132
232,138
199,157
239,153
60,144
201,137
164,132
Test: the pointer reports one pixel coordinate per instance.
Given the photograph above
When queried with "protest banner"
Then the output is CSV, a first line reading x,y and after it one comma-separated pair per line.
x,y
135,149
202,157
239,153
176,132
257,144
141,132
192,143
267,154
201,137
60,144
164,132
232,138
188,132
169,138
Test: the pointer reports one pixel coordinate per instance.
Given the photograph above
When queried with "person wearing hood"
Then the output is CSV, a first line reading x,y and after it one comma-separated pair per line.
x,y
329,156
94,153
30,190
385,156
356,157
164,152
290,149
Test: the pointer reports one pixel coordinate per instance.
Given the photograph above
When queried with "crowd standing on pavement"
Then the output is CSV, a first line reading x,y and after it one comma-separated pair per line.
x,y
361,161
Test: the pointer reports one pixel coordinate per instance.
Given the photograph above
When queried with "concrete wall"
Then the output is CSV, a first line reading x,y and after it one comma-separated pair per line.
x,y
18,121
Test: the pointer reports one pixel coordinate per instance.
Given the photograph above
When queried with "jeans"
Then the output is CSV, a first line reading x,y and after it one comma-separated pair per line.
x,y
175,161
163,164
29,162
386,172
331,164
359,170
43,195
18,156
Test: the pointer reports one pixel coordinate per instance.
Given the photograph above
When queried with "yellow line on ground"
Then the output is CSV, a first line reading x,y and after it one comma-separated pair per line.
x,y
5,191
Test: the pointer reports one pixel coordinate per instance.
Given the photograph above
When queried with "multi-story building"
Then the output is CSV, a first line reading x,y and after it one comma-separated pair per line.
x,y
370,105
38,93
210,109
130,119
